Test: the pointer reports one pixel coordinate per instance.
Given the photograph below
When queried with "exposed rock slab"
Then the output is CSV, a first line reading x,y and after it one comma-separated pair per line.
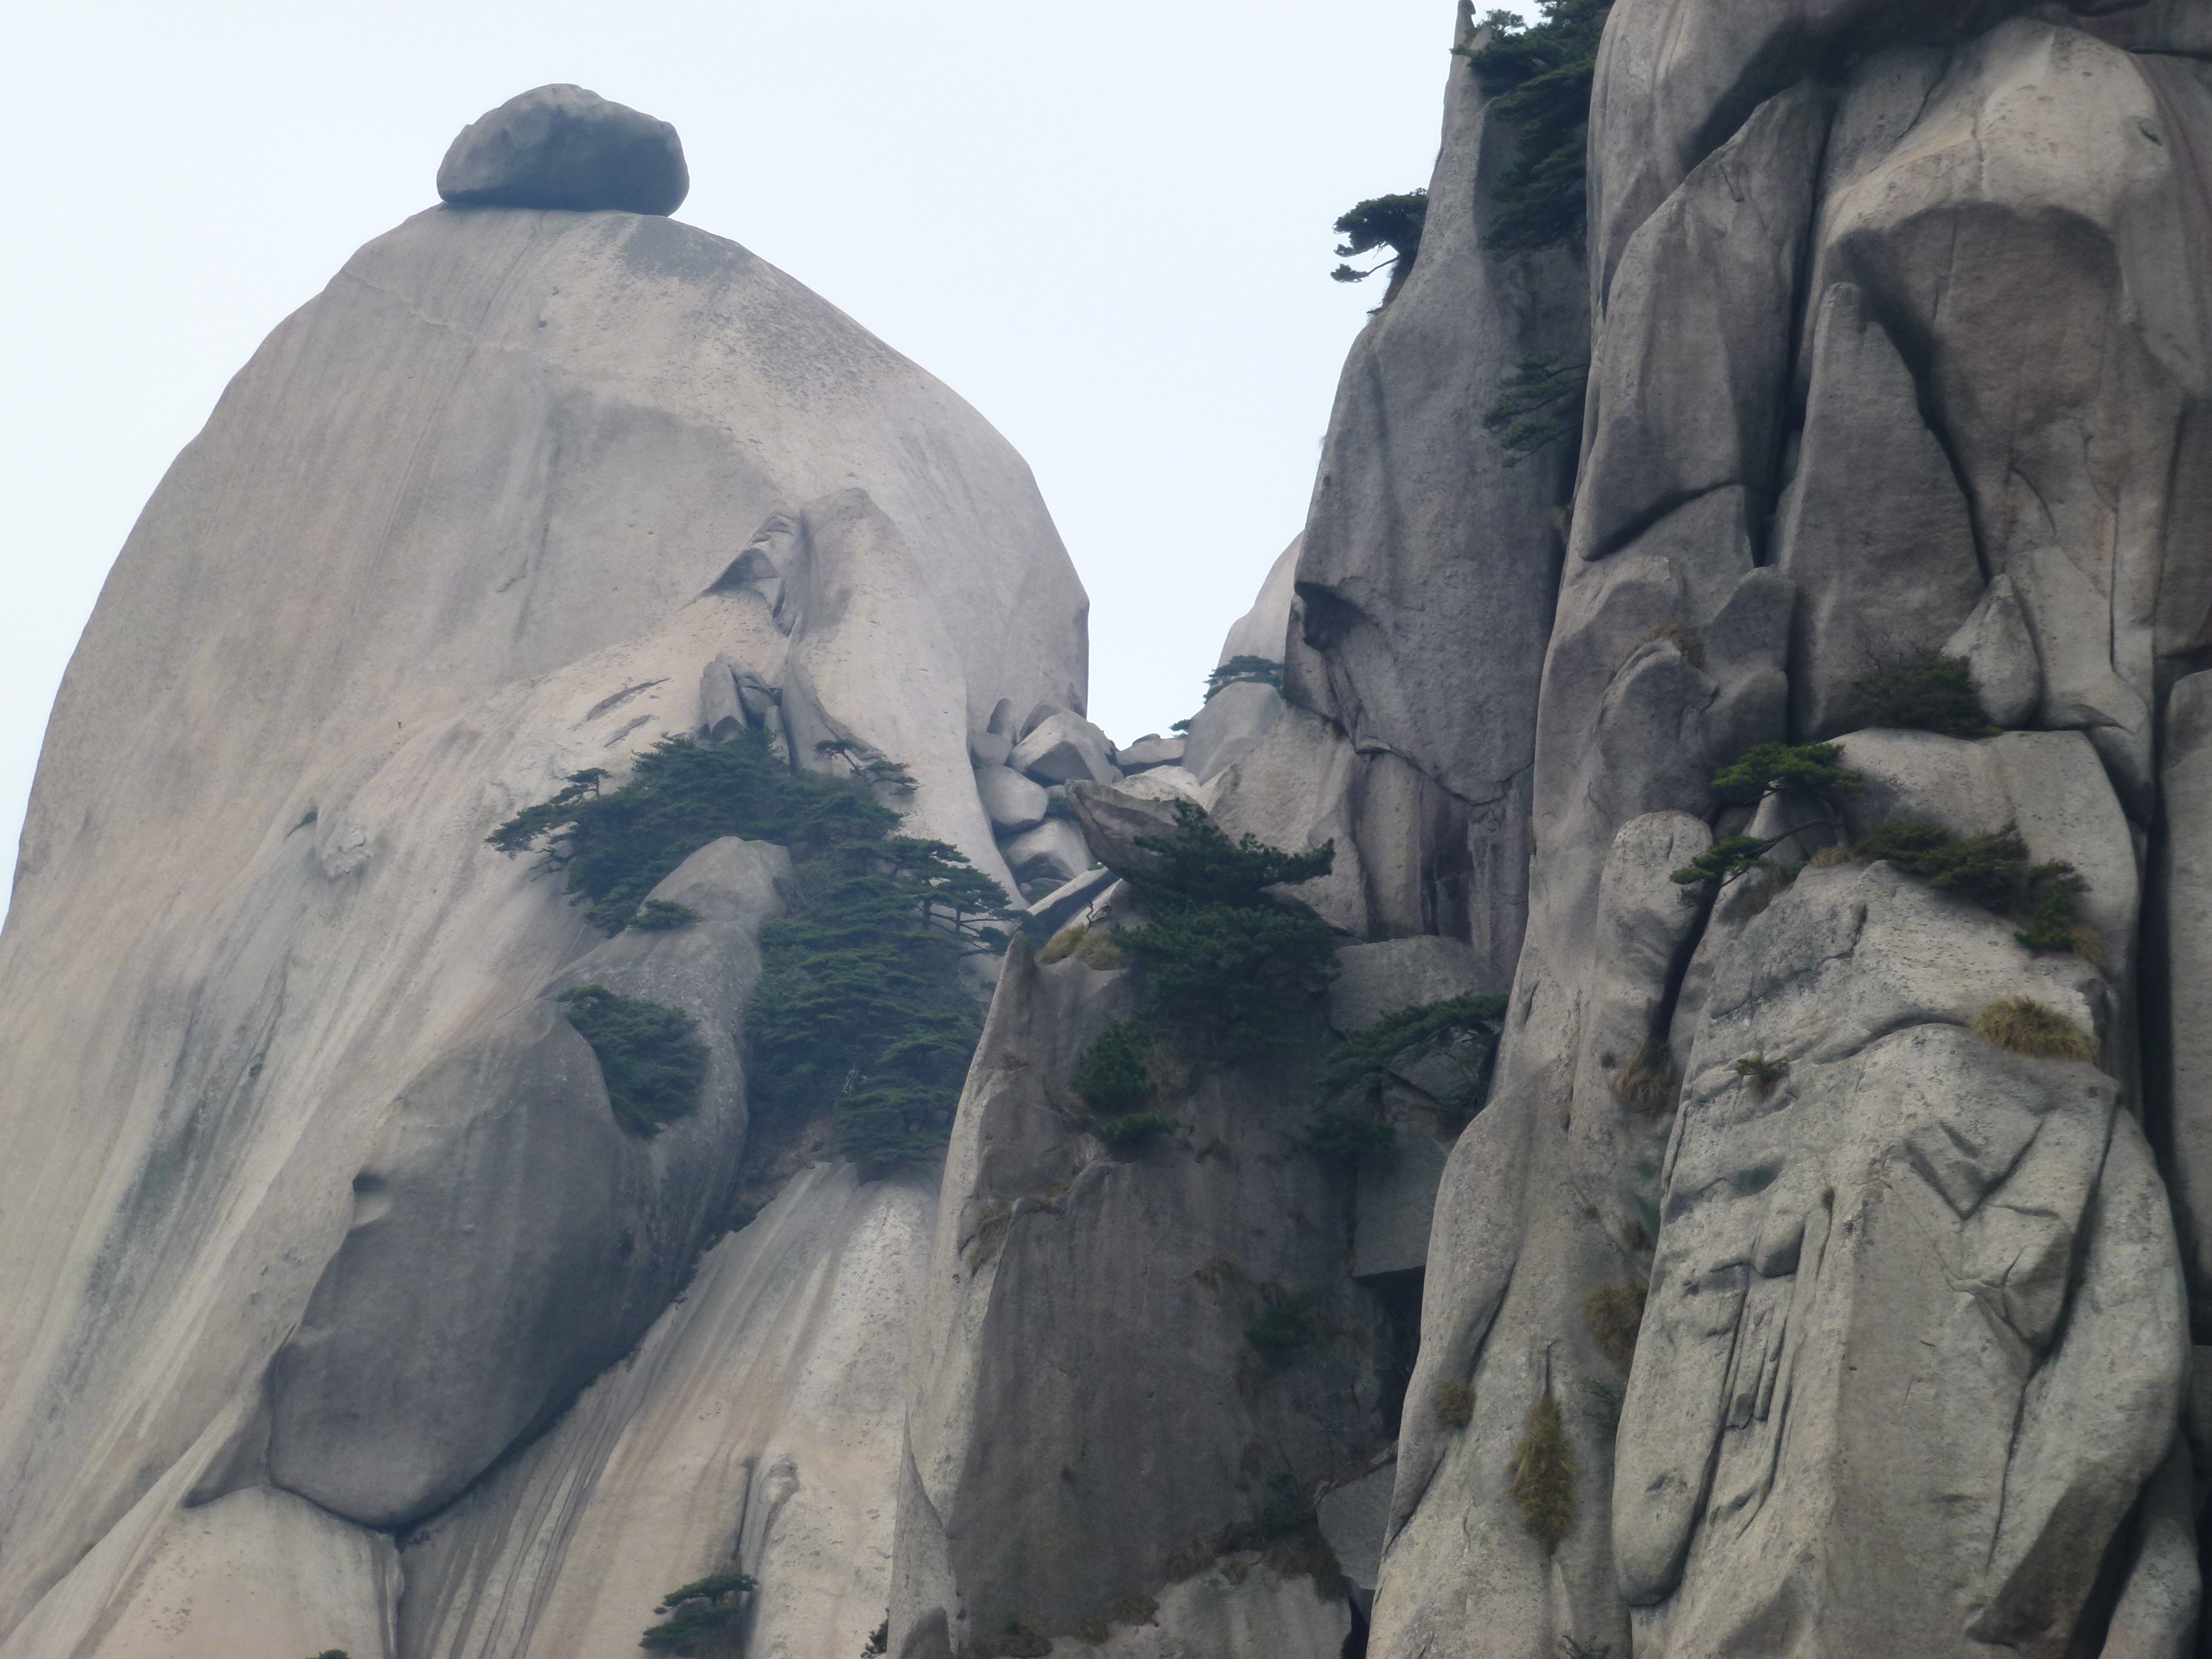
x,y
1063,747
520,1237
1260,632
1949,1242
1882,575
1230,727
759,1421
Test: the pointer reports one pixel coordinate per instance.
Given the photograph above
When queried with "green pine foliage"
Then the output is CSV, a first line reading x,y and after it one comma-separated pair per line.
x,y
1540,76
1391,222
1766,769
1344,1137
615,848
1929,692
1760,772
1262,671
661,916
698,1612
1994,871
1702,879
1135,1129
1539,402
1362,1063
1223,964
2054,922
649,1054
1109,1074
862,1012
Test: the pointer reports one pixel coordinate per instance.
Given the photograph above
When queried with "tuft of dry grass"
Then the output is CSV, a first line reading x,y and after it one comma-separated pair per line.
x,y
2086,943
1762,1073
1682,639
1455,1404
991,1227
2025,1026
1615,1313
1829,857
1649,1086
1063,944
1098,949
1544,1476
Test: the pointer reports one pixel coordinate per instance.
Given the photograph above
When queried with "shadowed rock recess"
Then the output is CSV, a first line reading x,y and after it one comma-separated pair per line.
x,y
1651,1186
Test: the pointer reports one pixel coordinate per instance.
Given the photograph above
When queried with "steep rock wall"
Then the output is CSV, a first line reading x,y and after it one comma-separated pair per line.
x,y
1843,261
473,519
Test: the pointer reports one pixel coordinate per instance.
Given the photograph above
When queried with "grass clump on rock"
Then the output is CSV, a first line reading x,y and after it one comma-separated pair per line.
x,y
1454,1404
2024,1026
1650,1086
704,1611
1544,1476
650,1055
1615,1313
1929,692
1761,1073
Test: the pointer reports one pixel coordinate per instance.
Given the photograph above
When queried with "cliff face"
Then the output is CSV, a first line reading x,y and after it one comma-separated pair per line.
x,y
1812,1262
315,1212
1899,346
1781,1298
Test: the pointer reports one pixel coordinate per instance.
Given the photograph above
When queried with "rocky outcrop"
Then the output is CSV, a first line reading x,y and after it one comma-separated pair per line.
x,y
474,520
506,1219
1429,564
1085,1340
1816,1265
1856,1215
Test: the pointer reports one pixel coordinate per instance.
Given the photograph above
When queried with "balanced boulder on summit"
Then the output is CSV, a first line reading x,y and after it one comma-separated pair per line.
x,y
565,147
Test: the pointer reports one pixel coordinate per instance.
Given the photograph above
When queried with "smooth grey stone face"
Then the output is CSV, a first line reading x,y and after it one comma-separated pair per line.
x,y
564,147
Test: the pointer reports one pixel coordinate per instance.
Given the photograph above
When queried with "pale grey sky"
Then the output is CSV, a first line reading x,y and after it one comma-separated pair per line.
x,y
1108,228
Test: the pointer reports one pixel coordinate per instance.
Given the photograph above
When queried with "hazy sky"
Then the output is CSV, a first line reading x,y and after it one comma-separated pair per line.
x,y
1107,227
